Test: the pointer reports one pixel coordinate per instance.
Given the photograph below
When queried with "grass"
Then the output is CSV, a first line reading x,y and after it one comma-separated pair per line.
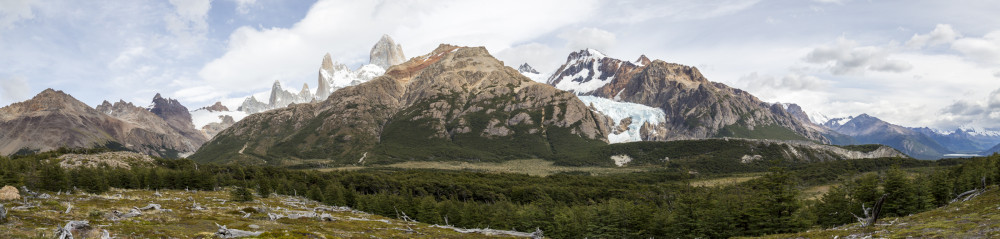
x,y
533,167
976,218
180,221
725,181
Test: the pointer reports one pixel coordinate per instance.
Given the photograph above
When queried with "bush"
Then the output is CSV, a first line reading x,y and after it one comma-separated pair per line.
x,y
241,194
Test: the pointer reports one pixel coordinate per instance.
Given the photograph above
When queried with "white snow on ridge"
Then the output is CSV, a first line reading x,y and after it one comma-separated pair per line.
x,y
620,110
535,77
202,117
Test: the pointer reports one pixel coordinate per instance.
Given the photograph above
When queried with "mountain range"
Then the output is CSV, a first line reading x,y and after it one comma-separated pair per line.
x,y
453,103
457,103
54,119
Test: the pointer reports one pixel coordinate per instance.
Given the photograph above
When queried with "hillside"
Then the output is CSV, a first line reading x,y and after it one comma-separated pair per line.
x,y
976,218
54,119
695,107
453,103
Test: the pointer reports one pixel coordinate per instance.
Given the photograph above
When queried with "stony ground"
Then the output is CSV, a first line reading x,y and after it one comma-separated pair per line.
x,y
118,212
978,217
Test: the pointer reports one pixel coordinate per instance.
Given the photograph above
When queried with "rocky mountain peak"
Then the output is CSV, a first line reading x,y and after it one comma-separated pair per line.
x,y
386,53
217,107
327,62
643,60
585,54
525,68
47,100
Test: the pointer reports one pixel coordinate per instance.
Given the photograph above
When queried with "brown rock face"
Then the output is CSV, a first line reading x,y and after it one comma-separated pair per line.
x,y
53,119
444,100
211,129
695,107
217,107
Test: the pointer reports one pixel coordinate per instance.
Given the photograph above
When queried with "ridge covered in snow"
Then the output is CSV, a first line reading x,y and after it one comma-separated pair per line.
x,y
621,110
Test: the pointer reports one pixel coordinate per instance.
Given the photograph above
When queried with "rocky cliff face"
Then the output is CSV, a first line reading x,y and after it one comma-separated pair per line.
x,y
525,68
53,119
867,129
455,102
178,118
695,107
386,53
252,105
217,107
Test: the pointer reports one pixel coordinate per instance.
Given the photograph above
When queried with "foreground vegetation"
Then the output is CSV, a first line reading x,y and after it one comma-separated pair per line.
x,y
39,218
659,202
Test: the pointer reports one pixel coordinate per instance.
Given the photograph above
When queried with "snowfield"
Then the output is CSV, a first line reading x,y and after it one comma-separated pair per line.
x,y
620,110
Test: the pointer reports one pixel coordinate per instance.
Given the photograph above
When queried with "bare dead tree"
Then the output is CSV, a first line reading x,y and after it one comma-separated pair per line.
x,y
872,213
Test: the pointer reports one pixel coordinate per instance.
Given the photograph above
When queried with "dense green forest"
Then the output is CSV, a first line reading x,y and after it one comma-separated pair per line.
x,y
658,203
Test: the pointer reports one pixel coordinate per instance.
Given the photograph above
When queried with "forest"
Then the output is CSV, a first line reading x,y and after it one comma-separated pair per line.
x,y
656,203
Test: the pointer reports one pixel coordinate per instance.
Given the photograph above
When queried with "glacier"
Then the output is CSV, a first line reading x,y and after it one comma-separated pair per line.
x,y
620,110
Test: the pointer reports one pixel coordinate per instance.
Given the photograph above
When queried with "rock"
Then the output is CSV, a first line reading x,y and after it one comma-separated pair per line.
x,y
386,53
66,232
9,193
234,233
3,214
151,206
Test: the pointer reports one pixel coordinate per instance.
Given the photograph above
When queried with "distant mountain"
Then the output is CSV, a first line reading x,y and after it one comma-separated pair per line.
x,y
531,73
54,119
454,103
525,68
332,76
965,141
386,53
694,107
211,120
866,129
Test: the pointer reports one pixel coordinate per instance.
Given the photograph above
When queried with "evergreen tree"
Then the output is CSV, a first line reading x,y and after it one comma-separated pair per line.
x,y
834,208
901,199
53,178
241,194
263,188
315,194
334,194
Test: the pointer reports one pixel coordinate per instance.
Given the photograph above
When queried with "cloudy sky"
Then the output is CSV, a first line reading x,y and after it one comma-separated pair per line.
x,y
913,63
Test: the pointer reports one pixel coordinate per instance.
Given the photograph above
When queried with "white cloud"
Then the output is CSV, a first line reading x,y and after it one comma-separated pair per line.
x,y
12,11
791,81
639,11
539,56
942,34
243,6
980,113
996,74
831,1
257,57
985,50
14,89
847,57
589,38
188,24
